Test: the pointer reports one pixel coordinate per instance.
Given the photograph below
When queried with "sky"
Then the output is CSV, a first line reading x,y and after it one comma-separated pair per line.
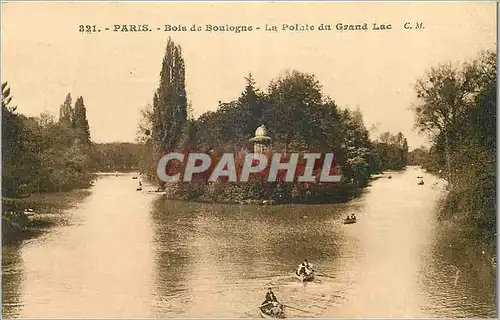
x,y
44,56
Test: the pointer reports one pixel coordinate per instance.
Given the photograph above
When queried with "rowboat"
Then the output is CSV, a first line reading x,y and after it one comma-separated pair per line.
x,y
305,277
138,188
349,221
264,313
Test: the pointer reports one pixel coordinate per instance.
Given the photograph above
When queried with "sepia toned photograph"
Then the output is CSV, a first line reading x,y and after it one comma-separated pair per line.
x,y
249,159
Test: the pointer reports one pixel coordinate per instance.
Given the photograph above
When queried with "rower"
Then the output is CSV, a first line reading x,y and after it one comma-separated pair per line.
x,y
309,267
305,268
270,297
271,303
301,270
306,264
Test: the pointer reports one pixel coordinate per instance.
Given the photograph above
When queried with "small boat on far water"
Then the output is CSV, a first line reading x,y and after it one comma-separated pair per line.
x,y
350,220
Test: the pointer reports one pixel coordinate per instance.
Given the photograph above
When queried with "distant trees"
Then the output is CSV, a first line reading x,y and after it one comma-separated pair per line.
x,y
457,109
418,157
117,156
391,151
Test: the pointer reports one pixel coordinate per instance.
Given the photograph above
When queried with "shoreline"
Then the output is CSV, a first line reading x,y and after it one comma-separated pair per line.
x,y
47,211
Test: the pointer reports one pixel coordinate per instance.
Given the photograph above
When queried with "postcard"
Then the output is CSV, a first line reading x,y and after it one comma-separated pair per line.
x,y
249,159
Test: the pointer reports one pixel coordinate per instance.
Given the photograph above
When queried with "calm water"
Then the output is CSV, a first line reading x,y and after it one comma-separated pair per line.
x,y
132,254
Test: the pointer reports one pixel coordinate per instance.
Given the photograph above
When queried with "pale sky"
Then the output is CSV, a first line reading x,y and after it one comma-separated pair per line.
x,y
44,57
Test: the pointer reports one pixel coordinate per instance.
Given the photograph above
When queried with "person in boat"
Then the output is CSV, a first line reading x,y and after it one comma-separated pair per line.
x,y
271,303
305,268
308,266
301,270
276,309
353,216
270,297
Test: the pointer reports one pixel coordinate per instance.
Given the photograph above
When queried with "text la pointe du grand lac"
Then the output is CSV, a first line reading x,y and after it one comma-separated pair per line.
x,y
285,27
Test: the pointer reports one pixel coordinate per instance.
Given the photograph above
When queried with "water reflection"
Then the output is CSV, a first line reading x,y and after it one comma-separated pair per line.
x,y
229,255
458,278
133,254
12,275
97,266
172,237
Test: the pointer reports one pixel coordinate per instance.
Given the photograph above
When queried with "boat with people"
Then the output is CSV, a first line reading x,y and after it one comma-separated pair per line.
x,y
421,182
350,219
271,308
305,272
267,314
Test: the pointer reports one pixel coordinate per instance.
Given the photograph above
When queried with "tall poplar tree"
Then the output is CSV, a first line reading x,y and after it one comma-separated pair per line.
x,y
80,122
66,112
170,102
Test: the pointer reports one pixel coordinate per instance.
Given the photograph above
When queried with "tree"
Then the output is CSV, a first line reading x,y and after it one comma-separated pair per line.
x,y
444,94
357,147
80,122
391,151
12,144
251,108
458,109
66,112
418,156
291,97
170,102
7,98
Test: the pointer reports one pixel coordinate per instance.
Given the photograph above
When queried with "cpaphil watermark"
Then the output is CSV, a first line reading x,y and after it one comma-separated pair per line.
x,y
230,167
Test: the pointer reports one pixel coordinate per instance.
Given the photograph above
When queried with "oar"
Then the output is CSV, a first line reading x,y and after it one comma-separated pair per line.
x,y
262,305
324,275
295,308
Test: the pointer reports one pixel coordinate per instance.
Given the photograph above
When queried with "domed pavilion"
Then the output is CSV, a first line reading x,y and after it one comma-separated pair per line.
x,y
261,141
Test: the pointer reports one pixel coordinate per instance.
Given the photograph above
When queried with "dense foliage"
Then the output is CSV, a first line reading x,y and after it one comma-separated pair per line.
x,y
390,152
457,108
299,118
42,155
116,156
